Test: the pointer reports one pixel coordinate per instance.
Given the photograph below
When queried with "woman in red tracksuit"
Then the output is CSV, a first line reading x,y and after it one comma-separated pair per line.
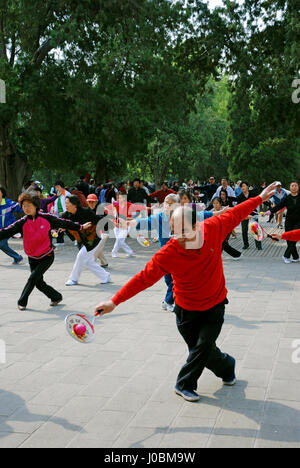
x,y
36,229
194,259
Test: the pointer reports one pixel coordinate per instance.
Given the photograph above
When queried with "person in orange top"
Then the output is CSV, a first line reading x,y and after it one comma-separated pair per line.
x,y
194,258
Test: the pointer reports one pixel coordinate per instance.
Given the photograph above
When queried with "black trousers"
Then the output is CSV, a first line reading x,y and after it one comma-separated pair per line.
x,y
60,238
291,249
200,331
245,226
36,280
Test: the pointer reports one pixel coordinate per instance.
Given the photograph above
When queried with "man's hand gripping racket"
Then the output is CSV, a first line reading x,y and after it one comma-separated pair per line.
x,y
82,327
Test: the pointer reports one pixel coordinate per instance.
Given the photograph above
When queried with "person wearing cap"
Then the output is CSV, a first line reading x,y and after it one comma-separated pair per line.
x,y
280,195
93,204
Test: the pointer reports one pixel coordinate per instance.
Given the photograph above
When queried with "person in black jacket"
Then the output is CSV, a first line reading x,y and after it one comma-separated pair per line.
x,y
87,241
137,194
245,195
292,220
211,188
111,193
83,186
225,199
235,254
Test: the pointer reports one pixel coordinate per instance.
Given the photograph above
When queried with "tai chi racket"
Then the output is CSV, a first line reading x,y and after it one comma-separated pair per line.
x,y
259,233
146,241
81,327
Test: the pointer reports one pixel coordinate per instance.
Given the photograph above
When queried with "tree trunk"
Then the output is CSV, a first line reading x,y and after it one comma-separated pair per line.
x,y
14,171
100,172
160,172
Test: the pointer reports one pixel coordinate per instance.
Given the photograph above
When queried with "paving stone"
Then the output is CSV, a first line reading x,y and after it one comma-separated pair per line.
x,y
119,391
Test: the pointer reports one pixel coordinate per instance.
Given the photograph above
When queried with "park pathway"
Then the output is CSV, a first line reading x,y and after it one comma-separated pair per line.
x,y
118,391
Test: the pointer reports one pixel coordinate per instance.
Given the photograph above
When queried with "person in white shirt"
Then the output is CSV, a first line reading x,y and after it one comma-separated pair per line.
x,y
60,207
224,185
280,194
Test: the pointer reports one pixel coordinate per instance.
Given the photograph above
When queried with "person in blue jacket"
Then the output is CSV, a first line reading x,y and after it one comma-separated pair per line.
x,y
7,210
160,223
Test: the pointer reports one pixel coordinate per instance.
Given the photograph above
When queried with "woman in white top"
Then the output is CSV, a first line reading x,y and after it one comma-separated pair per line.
x,y
60,207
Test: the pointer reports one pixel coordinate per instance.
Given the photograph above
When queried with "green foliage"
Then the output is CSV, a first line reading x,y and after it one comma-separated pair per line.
x,y
263,59
191,146
159,88
90,81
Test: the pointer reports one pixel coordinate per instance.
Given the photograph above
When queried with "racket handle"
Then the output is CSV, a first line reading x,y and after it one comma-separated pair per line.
x,y
277,240
98,313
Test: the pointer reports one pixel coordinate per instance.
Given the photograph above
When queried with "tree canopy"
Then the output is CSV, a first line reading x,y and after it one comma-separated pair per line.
x,y
160,87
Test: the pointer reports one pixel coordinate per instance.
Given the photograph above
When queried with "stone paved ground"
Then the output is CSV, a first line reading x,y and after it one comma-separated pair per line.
x,y
118,391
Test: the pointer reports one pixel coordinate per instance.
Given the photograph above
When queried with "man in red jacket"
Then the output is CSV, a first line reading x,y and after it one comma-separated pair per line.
x,y
194,258
162,193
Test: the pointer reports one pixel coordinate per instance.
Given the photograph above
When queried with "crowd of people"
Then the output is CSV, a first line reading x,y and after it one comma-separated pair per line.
x,y
89,202
193,224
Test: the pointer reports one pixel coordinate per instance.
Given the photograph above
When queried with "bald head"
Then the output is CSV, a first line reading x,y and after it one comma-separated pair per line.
x,y
186,230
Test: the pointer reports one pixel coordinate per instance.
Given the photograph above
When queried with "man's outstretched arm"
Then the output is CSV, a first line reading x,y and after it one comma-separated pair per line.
x,y
152,273
234,216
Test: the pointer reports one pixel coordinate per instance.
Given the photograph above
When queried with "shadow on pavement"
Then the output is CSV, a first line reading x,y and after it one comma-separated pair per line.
x,y
276,422
13,408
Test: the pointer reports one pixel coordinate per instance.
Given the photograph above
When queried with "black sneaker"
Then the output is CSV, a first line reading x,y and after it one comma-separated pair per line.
x,y
231,380
188,395
55,303
246,247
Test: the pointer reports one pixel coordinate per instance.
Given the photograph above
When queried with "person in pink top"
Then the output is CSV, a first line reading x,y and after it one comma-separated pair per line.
x,y
36,229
